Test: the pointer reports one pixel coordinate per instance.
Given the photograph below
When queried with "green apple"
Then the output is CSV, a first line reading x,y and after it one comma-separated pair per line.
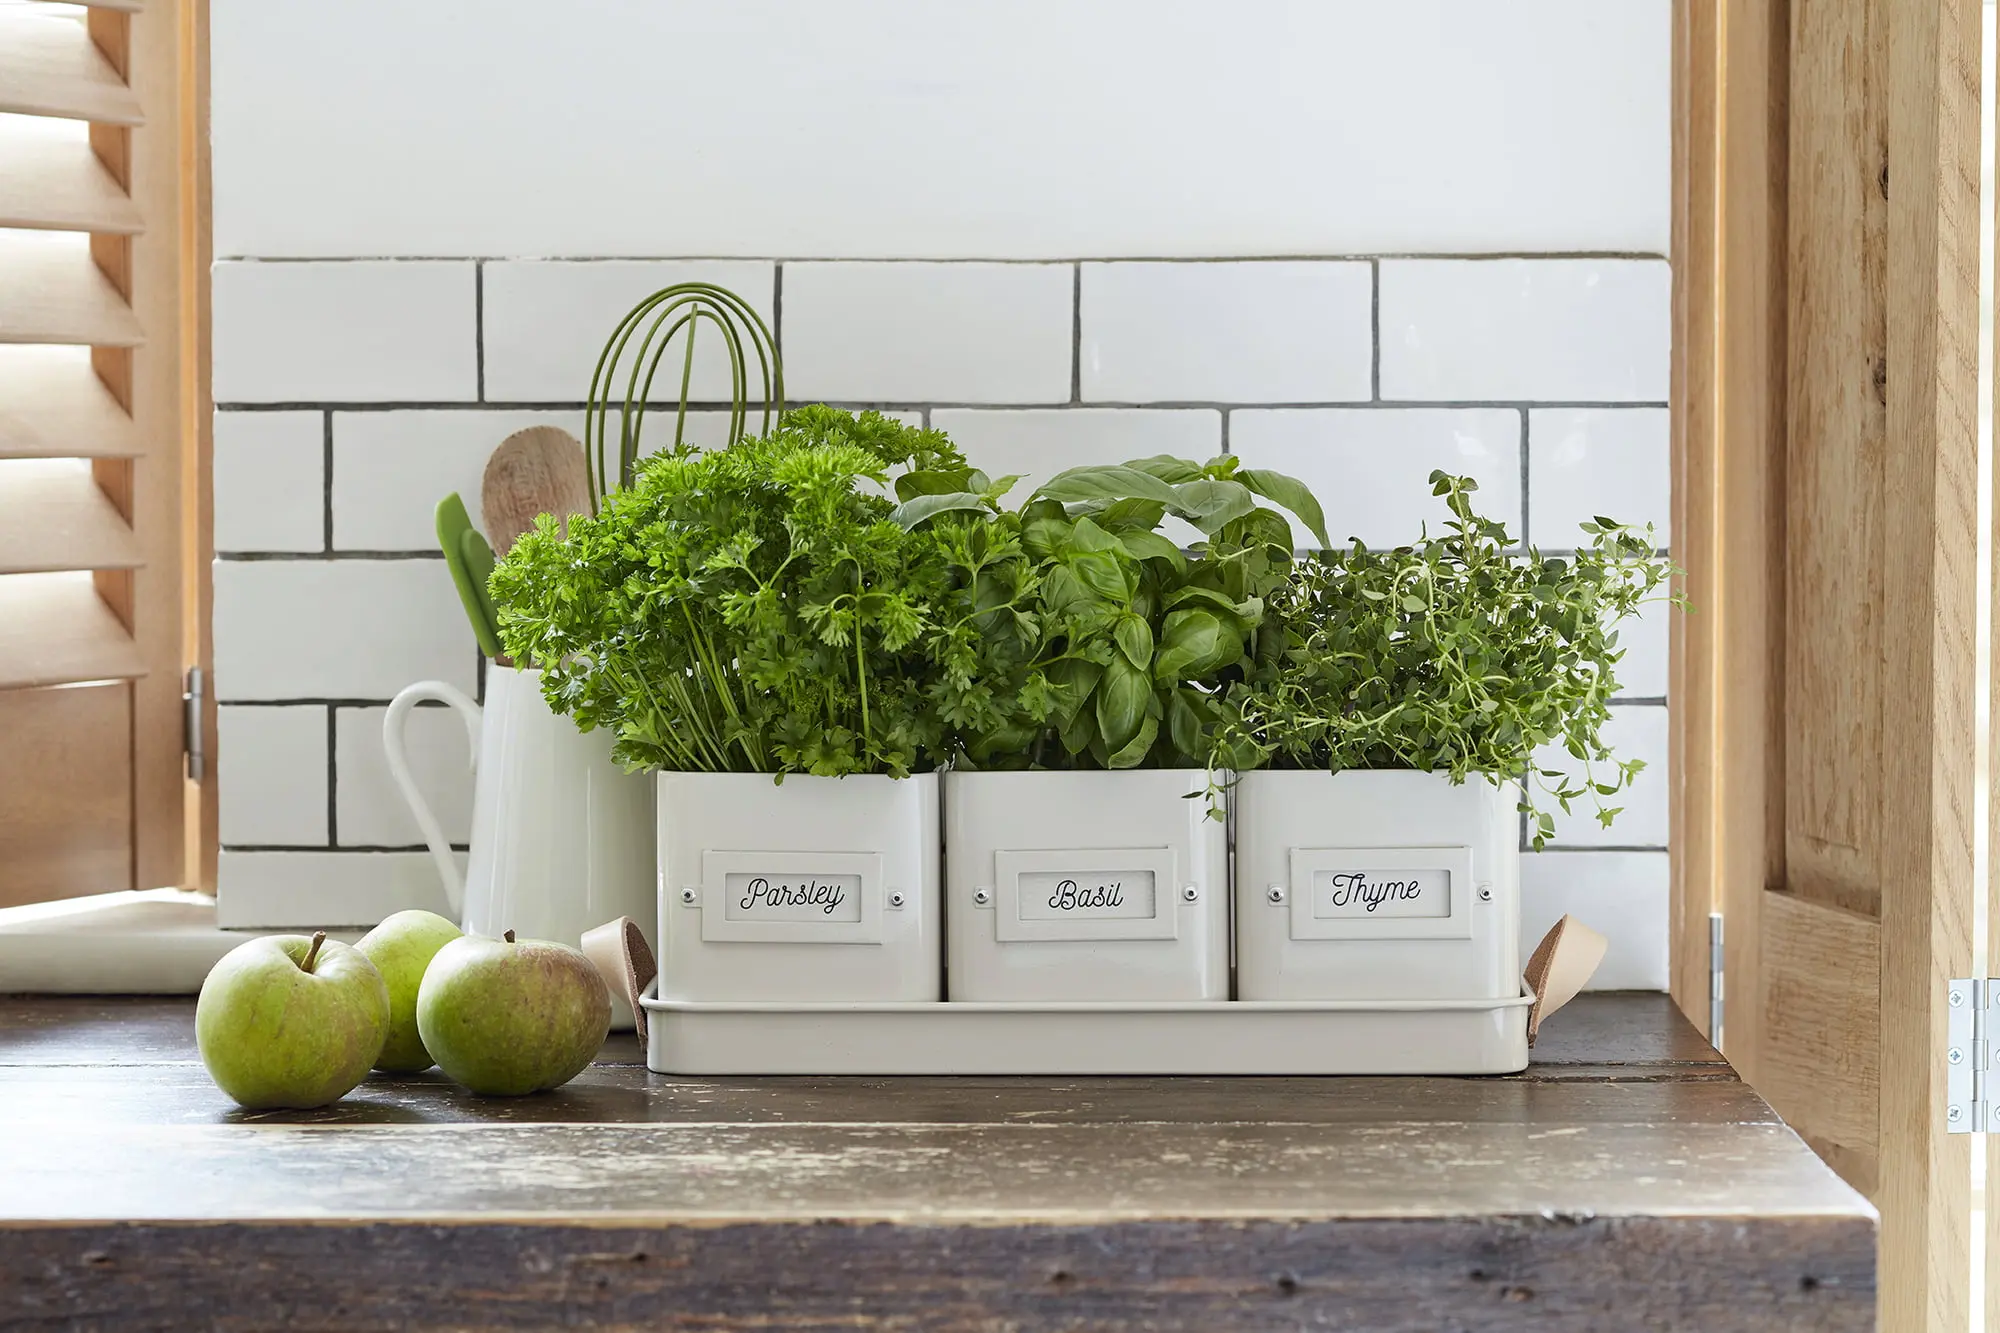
x,y
507,1017
290,1021
401,948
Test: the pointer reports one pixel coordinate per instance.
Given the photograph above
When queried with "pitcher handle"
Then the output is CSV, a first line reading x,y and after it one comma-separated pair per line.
x,y
393,723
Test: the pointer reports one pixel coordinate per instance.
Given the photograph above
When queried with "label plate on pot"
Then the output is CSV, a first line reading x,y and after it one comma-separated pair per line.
x,y
792,897
1364,893
1373,891
1086,894
778,896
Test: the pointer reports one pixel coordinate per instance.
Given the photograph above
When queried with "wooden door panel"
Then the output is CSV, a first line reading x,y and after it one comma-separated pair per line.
x,y
1821,1016
1834,455
65,792
1824,714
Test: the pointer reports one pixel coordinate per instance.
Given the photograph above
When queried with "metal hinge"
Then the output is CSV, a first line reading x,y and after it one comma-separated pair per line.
x,y
191,710
1968,1016
1715,980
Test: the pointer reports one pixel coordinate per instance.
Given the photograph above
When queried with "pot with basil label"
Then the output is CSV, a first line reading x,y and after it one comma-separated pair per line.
x,y
1376,885
1086,886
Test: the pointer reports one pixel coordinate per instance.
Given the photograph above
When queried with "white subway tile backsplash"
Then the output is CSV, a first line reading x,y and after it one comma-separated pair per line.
x,y
1583,462
373,331
370,811
391,468
1621,895
1544,330
1232,332
1634,731
308,890
338,629
921,332
1037,443
270,481
547,322
271,766
1370,467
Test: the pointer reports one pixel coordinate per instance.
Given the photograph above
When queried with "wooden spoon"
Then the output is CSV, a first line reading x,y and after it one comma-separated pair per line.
x,y
540,470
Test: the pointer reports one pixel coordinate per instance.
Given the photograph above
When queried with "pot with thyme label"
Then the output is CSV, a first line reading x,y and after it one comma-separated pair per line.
x,y
1376,885
1086,886
1406,714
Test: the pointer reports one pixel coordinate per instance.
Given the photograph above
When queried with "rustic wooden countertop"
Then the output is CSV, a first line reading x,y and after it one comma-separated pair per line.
x,y
1627,1180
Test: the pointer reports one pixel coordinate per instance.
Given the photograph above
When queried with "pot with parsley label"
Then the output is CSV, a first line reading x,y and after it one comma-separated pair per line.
x,y
1400,728
753,624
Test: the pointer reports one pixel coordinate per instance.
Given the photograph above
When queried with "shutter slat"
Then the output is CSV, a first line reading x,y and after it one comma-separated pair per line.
x,y
53,517
60,632
51,291
56,181
50,67
52,405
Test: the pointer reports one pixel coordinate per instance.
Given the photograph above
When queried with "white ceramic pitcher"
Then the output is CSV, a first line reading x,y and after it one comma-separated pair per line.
x,y
562,838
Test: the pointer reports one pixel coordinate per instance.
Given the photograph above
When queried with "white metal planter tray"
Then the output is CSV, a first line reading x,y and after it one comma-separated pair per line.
x,y
1070,1039
1067,1039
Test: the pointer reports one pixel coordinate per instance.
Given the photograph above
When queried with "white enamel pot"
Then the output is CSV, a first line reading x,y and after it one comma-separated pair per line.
x,y
562,837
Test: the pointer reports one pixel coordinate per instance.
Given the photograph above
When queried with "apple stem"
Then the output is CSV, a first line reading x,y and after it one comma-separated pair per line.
x,y
509,937
312,954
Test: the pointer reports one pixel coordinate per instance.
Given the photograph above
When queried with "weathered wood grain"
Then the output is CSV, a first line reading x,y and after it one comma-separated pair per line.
x,y
1626,1180
625,1094
1548,1275
892,1170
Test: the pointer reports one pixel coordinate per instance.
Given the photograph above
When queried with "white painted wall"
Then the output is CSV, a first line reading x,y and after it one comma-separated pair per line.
x,y
1412,235
913,128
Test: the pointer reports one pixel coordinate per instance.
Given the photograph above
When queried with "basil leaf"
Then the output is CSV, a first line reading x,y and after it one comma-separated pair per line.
x,y
1135,640
924,507
1210,505
1122,696
1152,546
912,484
1134,752
1195,643
1168,468
1292,494
1103,574
1106,483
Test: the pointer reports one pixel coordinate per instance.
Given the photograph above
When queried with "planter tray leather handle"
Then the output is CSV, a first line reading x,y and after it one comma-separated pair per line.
x,y
1559,967
619,951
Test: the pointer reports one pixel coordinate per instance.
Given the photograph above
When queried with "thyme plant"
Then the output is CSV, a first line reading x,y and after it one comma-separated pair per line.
x,y
1457,654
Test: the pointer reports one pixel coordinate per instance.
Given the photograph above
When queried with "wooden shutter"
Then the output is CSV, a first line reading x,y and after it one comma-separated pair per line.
x,y
102,271
1827,272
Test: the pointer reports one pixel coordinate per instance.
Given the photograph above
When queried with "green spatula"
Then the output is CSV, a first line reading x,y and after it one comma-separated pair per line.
x,y
471,561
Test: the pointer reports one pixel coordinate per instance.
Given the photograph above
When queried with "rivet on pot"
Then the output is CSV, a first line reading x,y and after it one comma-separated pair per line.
x,y
981,897
1485,893
895,898
1190,892
1276,893
689,895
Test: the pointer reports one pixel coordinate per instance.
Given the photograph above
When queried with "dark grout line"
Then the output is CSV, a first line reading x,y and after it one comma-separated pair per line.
x,y
1375,329
1475,257
1076,333
326,483
855,404
352,848
276,557
322,702
332,776
1527,533
479,328
777,313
